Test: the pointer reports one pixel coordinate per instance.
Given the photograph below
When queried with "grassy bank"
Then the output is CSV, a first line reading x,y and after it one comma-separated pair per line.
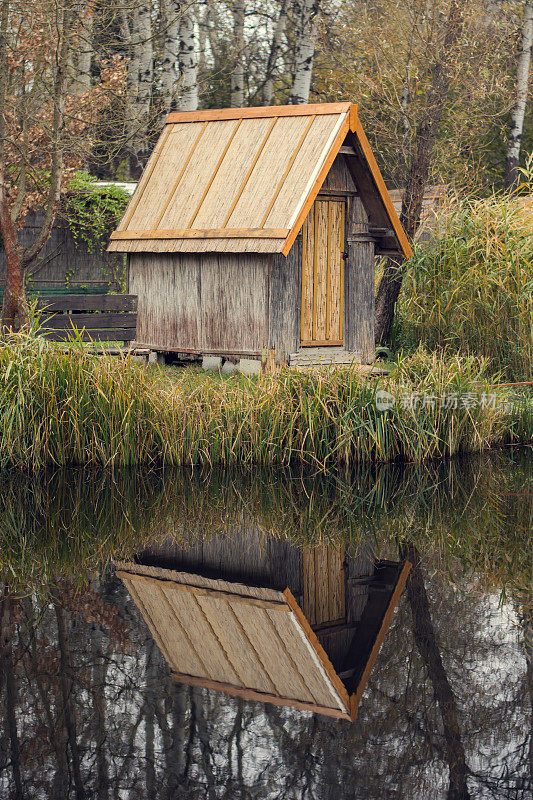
x,y
470,291
60,407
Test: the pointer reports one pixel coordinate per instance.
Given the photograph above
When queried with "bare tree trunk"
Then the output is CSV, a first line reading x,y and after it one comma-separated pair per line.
x,y
514,139
128,35
58,738
169,65
205,744
188,63
279,30
98,685
176,756
7,673
427,644
237,73
418,175
14,281
307,13
14,289
528,649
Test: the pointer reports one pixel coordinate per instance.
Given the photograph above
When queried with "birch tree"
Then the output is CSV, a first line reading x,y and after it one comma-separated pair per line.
x,y
306,13
140,81
237,72
82,82
188,61
275,51
519,109
169,63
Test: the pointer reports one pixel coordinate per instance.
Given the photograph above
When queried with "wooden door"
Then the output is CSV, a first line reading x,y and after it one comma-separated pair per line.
x,y
323,274
323,585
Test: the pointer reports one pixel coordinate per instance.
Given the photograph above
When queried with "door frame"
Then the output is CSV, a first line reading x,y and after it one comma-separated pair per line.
x,y
337,197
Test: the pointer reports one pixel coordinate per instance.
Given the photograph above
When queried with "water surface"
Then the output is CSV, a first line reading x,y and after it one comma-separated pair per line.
x,y
93,699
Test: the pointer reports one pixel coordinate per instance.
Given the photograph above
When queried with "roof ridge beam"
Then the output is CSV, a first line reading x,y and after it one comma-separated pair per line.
x,y
255,112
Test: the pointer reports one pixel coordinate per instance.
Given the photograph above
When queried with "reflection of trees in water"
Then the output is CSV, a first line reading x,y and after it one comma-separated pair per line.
x,y
480,511
98,716
88,707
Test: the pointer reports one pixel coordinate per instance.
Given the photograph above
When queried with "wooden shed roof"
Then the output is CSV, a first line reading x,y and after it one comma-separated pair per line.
x,y
249,642
243,180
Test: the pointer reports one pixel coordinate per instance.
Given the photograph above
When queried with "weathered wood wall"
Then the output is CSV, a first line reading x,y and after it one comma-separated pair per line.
x,y
359,265
244,553
285,297
339,177
63,262
359,289
242,303
201,302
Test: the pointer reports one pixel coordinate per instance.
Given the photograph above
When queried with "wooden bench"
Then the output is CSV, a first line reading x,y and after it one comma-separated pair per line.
x,y
98,317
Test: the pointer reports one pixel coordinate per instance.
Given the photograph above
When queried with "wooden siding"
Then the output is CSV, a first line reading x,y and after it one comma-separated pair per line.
x,y
284,302
339,177
201,303
323,579
359,284
244,553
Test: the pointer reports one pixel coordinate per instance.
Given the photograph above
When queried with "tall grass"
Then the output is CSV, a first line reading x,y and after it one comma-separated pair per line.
x,y
470,291
62,407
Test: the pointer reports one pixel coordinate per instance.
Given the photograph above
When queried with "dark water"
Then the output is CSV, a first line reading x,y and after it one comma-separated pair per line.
x,y
121,590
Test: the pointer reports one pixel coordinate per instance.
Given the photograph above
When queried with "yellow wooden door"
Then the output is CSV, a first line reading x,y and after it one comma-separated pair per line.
x,y
323,274
323,584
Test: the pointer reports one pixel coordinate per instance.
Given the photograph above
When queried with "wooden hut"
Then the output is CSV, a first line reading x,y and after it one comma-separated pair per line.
x,y
311,644
255,230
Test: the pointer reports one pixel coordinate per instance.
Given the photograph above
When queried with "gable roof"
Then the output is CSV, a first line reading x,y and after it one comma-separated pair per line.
x,y
244,179
249,642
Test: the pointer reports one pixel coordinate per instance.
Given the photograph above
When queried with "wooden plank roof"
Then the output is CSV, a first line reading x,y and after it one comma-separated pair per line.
x,y
243,180
249,642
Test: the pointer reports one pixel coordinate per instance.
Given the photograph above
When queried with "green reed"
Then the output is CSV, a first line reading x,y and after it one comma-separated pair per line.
x,y
470,291
66,406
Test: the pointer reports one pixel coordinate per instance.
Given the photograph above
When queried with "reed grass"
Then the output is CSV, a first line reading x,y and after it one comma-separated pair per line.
x,y
470,290
66,406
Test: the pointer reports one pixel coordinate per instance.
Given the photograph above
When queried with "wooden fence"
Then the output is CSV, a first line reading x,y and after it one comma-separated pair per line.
x,y
66,265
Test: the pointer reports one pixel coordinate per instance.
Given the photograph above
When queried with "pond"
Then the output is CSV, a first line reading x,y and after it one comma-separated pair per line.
x,y
264,635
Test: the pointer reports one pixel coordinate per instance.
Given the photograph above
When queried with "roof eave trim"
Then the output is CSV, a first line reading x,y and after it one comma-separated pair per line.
x,y
357,129
352,124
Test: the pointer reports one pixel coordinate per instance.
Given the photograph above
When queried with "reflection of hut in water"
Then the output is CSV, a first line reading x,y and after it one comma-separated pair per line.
x,y
260,619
